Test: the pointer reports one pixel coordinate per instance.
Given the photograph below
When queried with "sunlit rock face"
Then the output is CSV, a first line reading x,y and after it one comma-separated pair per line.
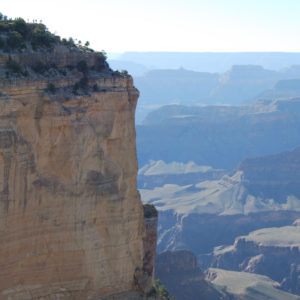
x,y
71,220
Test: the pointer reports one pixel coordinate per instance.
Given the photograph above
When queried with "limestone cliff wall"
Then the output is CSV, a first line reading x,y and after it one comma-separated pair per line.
x,y
71,220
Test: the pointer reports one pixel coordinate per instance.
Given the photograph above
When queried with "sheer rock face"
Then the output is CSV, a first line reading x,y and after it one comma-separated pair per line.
x,y
149,241
71,220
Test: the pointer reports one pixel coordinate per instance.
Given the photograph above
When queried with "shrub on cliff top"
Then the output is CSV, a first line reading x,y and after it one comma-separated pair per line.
x,y
124,73
20,26
41,37
15,40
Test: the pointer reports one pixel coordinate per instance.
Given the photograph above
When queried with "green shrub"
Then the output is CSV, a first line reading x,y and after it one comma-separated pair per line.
x,y
42,38
13,67
20,26
82,66
62,72
75,88
40,67
51,88
160,288
4,27
82,84
124,73
95,88
100,61
71,42
15,40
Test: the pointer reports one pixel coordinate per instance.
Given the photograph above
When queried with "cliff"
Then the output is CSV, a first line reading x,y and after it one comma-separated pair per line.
x,y
71,218
149,241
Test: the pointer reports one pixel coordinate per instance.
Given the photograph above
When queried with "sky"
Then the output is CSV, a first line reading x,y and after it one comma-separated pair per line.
x,y
165,25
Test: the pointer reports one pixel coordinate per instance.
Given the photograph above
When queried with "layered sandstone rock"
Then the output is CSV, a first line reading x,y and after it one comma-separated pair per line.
x,y
71,220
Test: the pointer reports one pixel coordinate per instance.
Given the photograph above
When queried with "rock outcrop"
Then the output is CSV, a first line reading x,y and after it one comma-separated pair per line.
x,y
246,286
149,241
71,219
274,252
179,272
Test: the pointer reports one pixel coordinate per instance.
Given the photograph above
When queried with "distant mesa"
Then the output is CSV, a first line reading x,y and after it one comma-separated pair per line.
x,y
274,252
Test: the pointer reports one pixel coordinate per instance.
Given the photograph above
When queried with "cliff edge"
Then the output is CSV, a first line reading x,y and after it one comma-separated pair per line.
x,y
71,219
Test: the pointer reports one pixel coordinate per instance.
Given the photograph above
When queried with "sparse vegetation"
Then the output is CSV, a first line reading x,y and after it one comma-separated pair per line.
x,y
70,42
51,88
82,66
82,85
40,67
95,88
20,26
124,73
160,288
15,40
42,38
75,88
18,34
13,67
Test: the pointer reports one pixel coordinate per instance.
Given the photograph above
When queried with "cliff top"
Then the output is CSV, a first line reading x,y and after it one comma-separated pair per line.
x,y
30,50
17,36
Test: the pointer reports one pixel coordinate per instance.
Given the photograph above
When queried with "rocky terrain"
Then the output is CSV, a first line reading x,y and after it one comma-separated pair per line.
x,y
246,286
262,192
240,84
282,89
219,136
72,224
179,272
269,251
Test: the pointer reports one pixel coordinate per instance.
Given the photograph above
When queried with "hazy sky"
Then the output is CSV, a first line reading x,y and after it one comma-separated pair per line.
x,y
169,25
